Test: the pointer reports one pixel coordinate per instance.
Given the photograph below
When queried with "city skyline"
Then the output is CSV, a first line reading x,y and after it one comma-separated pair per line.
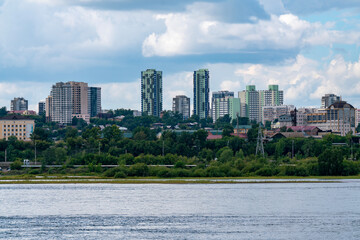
x,y
309,48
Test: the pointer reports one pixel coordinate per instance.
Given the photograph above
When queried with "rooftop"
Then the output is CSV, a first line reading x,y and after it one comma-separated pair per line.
x,y
15,117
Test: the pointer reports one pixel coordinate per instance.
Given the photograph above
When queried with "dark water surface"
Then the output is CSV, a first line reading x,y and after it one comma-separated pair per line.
x,y
181,211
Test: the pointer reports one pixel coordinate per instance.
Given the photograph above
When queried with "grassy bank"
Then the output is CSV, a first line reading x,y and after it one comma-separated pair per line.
x,y
47,179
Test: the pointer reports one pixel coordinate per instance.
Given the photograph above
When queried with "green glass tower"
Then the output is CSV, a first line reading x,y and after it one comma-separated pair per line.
x,y
201,93
151,92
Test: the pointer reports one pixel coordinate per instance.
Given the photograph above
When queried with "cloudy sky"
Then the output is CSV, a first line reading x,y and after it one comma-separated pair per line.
x,y
308,47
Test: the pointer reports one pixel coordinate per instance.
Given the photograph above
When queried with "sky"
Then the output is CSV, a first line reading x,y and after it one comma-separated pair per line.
x,y
307,47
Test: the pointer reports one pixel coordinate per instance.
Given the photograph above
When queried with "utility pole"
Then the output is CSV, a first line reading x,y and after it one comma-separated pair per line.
x,y
163,148
35,151
292,150
237,123
5,154
260,144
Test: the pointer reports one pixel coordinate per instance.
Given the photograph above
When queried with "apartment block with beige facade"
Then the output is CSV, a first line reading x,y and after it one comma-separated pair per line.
x,y
18,126
72,99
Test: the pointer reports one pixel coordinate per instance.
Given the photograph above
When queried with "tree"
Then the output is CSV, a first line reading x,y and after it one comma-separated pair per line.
x,y
3,111
40,134
223,121
252,134
74,121
358,128
331,162
227,130
200,138
283,129
226,155
112,132
242,121
71,132
268,125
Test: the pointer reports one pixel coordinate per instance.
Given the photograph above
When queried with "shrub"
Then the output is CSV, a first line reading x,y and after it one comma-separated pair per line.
x,y
139,169
16,165
120,174
198,173
264,171
179,164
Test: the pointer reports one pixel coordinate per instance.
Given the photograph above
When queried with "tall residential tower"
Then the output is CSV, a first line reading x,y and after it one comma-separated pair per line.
x,y
255,100
19,104
94,101
201,93
151,92
181,104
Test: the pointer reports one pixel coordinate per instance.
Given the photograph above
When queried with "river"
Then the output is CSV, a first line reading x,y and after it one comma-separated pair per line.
x,y
181,211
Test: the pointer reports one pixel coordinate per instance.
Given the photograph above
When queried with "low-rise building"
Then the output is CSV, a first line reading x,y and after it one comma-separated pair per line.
x,y
270,113
338,118
18,126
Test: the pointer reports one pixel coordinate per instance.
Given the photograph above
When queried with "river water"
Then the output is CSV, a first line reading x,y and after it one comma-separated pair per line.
x,y
181,211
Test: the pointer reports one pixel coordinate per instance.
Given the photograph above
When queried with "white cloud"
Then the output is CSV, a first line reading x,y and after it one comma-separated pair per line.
x,y
37,33
34,92
197,32
303,80
121,95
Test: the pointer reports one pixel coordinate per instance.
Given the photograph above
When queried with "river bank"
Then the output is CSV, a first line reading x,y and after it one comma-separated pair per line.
x,y
150,180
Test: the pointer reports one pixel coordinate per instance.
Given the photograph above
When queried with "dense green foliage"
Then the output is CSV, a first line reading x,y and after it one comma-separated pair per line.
x,y
92,146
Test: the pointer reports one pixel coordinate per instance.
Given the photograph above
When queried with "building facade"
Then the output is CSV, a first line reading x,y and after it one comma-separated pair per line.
x,y
61,103
151,92
94,101
72,99
250,97
79,97
255,100
18,126
220,104
19,104
234,108
201,93
329,99
338,117
181,104
270,113
48,108
271,97
41,107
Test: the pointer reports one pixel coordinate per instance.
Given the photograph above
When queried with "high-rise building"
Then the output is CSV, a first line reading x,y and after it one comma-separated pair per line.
x,y
94,98
41,108
329,99
254,100
72,99
19,104
80,100
201,93
272,96
220,104
151,92
48,108
181,104
234,108
252,103
61,101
